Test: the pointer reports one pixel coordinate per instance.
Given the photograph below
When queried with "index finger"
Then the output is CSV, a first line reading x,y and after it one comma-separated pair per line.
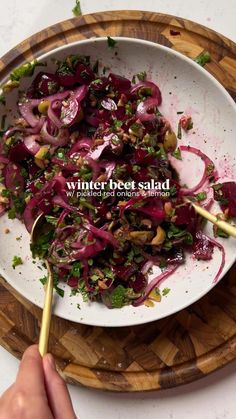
x,y
30,376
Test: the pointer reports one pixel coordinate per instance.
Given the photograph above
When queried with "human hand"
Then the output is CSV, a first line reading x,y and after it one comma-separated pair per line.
x,y
38,392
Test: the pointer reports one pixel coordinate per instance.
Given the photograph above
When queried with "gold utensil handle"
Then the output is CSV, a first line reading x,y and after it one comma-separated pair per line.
x,y
226,227
47,312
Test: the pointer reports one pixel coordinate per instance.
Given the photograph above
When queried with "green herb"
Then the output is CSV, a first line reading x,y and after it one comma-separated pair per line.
x,y
136,128
83,291
115,140
38,184
167,245
24,172
50,219
203,58
165,291
179,132
59,291
43,280
18,206
94,277
25,70
75,270
142,75
118,297
177,154
136,168
201,196
173,190
139,259
188,238
78,306
90,262
5,193
97,81
77,219
179,112
133,79
11,213
221,233
162,264
16,261
74,292
108,273
119,170
217,187
40,248
117,123
210,169
52,87
190,124
128,109
111,42
77,9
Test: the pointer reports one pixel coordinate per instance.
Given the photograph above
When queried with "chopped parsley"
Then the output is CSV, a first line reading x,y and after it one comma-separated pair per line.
x,y
203,58
75,271
179,131
221,233
201,196
59,291
43,280
142,75
162,264
77,9
118,297
16,261
177,154
165,291
111,42
51,220
117,123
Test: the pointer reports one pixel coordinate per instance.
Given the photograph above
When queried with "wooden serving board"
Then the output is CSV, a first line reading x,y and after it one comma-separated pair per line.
x,y
172,351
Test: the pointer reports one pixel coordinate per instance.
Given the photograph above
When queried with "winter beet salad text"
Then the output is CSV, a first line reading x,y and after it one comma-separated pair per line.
x,y
78,127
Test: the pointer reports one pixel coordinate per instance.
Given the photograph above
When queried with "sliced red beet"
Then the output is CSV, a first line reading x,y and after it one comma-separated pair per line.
x,y
66,79
72,282
33,168
122,84
185,214
202,248
124,272
99,85
139,284
83,74
46,84
142,156
19,153
14,181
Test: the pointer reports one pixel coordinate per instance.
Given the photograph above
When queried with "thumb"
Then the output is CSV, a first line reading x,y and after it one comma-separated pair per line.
x,y
57,392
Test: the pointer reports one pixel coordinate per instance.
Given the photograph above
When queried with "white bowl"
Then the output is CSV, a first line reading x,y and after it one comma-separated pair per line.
x,y
187,87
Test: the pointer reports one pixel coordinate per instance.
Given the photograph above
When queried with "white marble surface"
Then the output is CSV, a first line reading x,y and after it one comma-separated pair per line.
x,y
212,397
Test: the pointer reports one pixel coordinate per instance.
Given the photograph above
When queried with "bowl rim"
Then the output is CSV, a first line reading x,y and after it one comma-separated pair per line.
x,y
200,69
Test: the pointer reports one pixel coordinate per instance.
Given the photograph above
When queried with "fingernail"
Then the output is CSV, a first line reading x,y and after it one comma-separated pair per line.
x,y
51,361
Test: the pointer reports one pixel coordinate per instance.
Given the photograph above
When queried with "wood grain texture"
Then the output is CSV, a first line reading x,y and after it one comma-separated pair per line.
x,y
172,351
